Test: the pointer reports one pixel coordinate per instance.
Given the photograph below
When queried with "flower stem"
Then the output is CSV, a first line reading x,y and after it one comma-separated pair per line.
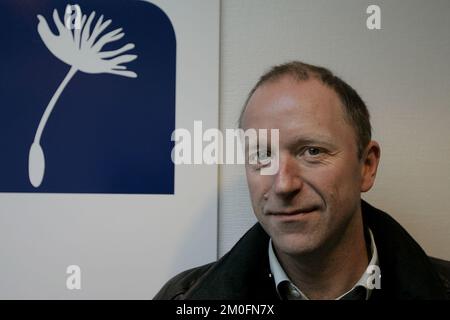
x,y
51,104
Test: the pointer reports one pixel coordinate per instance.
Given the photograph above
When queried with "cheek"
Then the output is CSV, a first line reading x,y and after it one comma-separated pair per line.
x,y
258,186
338,184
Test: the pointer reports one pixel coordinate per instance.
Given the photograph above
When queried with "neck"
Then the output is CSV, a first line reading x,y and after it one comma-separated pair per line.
x,y
330,272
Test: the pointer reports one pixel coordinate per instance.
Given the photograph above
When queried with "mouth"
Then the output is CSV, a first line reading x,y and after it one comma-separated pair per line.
x,y
293,214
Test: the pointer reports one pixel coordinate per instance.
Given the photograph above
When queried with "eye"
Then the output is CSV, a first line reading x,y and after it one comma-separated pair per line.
x,y
260,158
313,151
263,156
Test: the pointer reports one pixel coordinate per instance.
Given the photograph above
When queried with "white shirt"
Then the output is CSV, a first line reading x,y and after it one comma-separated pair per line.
x,y
280,276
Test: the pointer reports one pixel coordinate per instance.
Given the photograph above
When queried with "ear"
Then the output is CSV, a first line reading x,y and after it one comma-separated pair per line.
x,y
370,160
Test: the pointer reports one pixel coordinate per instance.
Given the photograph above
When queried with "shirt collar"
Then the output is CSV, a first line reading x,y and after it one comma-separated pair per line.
x,y
280,275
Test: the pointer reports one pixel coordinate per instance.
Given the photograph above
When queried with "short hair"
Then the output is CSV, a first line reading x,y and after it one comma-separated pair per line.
x,y
355,109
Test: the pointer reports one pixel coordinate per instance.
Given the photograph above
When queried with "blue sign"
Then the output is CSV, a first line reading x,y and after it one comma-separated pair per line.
x,y
87,97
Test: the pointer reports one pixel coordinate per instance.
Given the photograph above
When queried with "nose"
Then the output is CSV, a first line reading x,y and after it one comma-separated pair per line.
x,y
288,182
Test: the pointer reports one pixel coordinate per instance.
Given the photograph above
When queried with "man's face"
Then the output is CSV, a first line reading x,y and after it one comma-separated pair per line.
x,y
312,199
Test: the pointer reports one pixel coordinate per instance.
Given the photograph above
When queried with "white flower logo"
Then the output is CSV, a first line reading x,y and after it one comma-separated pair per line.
x,y
81,49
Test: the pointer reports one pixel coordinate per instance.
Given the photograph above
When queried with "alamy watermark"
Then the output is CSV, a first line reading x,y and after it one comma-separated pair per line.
x,y
373,21
72,17
73,281
374,277
256,147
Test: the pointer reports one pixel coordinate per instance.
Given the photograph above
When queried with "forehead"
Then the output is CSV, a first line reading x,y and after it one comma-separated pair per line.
x,y
297,107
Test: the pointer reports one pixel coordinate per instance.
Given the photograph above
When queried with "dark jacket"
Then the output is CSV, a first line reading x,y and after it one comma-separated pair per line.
x,y
244,273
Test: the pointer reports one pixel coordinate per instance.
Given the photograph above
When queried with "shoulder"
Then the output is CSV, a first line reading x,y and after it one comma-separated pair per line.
x,y
219,279
177,287
442,267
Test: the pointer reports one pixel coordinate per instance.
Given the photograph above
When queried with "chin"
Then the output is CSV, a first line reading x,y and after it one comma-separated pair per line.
x,y
296,244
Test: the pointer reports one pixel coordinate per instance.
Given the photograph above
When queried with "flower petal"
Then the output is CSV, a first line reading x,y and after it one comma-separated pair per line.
x,y
109,37
77,32
110,54
99,28
86,31
125,73
58,23
123,59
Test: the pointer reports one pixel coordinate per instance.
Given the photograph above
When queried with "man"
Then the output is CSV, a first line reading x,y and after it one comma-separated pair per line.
x,y
315,238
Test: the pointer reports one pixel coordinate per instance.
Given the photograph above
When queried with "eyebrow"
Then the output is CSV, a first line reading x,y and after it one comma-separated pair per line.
x,y
302,140
322,140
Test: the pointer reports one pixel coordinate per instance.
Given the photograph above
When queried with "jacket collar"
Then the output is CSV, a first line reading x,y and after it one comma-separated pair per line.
x,y
406,270
243,273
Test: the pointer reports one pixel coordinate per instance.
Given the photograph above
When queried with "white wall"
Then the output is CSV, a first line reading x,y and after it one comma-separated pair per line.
x,y
401,71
